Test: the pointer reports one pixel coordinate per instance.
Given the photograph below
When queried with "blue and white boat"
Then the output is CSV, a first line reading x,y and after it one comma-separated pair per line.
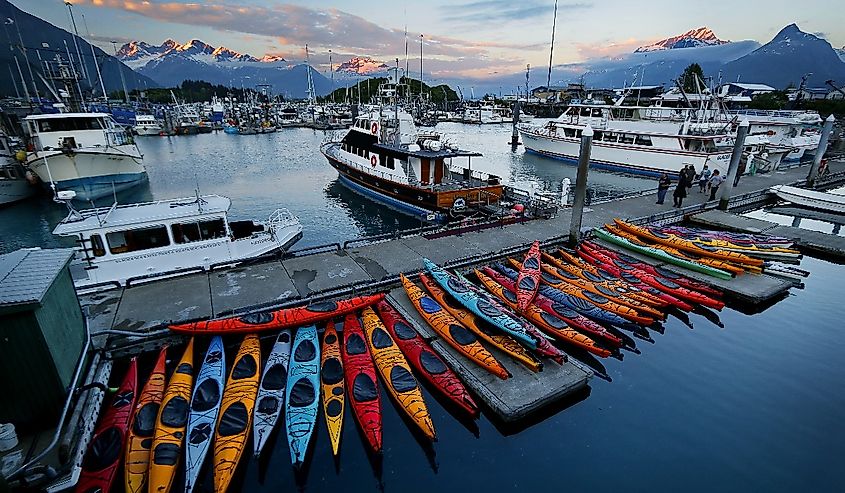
x,y
87,153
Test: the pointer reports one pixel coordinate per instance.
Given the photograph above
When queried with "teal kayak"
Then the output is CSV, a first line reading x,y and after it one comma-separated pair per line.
x,y
303,391
477,305
662,255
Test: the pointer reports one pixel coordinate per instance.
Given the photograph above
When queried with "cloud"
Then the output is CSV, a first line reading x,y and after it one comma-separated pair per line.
x,y
507,10
608,48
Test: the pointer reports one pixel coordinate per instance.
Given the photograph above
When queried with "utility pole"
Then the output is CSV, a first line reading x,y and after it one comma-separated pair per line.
x,y
733,167
552,48
817,159
581,186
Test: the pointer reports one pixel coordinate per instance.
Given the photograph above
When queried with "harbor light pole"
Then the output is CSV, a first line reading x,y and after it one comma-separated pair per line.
x,y
581,186
817,159
733,167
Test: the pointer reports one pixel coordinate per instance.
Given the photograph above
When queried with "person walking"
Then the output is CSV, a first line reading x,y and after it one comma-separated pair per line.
x,y
715,181
663,185
703,178
680,188
690,175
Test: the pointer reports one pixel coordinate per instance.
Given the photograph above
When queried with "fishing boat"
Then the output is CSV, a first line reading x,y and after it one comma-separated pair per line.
x,y
153,238
813,199
271,391
302,394
87,153
147,125
384,157
14,185
205,408
360,373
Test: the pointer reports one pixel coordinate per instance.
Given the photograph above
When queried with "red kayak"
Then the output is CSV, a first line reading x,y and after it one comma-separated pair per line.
x,y
619,268
424,360
105,451
360,373
594,262
571,317
528,281
278,319
657,271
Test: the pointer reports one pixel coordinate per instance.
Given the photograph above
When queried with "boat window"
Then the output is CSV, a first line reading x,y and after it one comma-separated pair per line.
x,y
97,247
215,228
642,140
389,163
598,135
611,137
626,139
569,132
203,230
70,124
137,239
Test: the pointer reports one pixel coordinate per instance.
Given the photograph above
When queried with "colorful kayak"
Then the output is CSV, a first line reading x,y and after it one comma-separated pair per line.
x,y
502,342
278,319
331,379
102,459
360,373
573,302
424,360
686,245
168,443
737,238
662,255
477,305
617,296
657,271
544,347
234,423
451,330
568,315
303,393
529,277
395,372
143,427
548,323
599,300
205,408
271,392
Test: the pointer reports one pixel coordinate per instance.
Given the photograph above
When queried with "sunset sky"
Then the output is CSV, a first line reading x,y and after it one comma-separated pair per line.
x,y
462,38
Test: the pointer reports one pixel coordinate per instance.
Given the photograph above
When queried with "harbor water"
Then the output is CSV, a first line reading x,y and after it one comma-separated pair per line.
x,y
261,173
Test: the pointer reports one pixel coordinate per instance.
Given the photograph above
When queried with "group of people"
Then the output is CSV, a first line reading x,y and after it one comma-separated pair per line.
x,y
686,178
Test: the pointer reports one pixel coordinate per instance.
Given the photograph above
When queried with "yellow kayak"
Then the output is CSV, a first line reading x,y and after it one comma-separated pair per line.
x,y
331,379
167,446
395,372
236,408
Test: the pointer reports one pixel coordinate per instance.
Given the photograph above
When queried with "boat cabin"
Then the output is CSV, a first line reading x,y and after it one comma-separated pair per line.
x,y
68,131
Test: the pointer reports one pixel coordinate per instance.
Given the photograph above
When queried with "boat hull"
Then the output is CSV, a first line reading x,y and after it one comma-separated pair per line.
x,y
14,190
92,174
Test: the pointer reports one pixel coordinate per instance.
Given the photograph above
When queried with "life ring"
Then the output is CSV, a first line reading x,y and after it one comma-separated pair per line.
x,y
374,129
374,159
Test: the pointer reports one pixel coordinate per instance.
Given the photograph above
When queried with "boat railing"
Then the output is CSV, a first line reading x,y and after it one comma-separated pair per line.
x,y
281,218
365,169
117,137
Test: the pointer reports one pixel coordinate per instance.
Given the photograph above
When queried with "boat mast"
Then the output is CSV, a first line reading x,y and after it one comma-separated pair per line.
x,y
310,81
552,48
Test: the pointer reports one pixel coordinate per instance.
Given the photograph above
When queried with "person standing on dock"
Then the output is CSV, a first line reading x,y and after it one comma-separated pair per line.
x,y
714,183
663,185
690,176
703,178
681,188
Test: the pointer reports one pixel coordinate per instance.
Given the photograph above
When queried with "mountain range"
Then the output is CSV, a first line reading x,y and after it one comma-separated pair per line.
x,y
360,65
171,62
37,32
703,36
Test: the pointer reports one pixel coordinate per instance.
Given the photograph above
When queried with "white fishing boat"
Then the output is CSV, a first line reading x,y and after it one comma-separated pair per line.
x,y
122,242
829,202
627,138
13,183
88,153
147,125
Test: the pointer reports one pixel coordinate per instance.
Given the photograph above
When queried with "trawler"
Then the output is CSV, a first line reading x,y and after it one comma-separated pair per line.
x,y
147,125
384,157
123,242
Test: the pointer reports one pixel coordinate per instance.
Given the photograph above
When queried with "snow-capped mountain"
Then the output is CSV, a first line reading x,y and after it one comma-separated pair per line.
x,y
840,52
362,66
703,36
139,54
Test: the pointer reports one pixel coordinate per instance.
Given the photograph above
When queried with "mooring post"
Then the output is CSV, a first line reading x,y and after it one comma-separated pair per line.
x,y
817,159
515,134
733,167
580,186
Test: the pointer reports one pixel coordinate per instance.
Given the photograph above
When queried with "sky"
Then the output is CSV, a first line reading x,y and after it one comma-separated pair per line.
x,y
474,38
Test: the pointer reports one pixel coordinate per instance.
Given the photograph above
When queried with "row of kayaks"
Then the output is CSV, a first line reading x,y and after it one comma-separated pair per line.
x,y
178,422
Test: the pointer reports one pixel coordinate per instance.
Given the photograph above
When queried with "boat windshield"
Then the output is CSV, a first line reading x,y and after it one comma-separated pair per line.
x,y
70,124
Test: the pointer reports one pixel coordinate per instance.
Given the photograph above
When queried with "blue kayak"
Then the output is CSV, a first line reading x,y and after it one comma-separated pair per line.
x,y
271,391
303,391
205,406
478,305
581,306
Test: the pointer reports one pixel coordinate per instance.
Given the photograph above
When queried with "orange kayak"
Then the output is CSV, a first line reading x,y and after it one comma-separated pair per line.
x,y
143,427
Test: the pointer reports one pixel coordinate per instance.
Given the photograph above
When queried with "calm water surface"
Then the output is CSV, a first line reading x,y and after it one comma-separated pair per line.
x,y
285,169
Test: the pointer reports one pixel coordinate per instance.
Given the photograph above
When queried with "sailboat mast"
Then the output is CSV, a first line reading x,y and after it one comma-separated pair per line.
x,y
552,47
